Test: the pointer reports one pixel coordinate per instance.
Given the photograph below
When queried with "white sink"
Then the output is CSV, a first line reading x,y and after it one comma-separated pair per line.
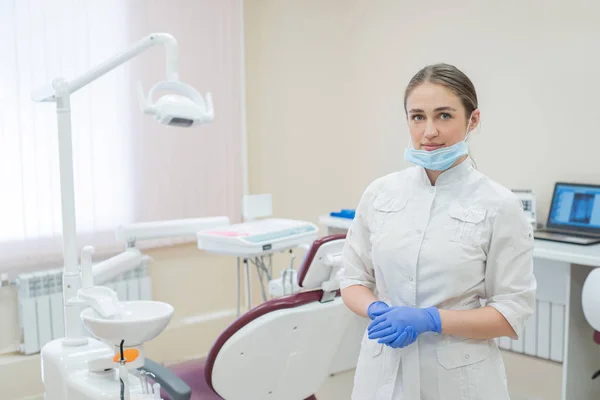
x,y
138,322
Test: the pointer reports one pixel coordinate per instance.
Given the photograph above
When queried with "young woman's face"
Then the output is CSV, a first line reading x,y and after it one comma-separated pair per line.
x,y
436,117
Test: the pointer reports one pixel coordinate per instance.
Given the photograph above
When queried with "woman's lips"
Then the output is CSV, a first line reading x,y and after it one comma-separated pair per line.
x,y
431,147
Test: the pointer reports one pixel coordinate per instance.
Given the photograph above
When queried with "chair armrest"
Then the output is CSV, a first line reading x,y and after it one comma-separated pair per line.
x,y
171,383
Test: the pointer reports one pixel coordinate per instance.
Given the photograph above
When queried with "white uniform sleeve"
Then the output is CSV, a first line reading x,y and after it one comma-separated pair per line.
x,y
357,267
509,280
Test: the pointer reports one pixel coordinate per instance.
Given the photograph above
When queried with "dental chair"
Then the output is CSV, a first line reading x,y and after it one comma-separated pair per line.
x,y
283,349
590,302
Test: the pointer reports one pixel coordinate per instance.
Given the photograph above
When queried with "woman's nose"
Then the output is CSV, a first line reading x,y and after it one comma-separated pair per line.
x,y
430,130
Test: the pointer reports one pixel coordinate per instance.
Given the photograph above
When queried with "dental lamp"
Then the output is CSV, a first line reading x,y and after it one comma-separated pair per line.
x,y
77,351
185,109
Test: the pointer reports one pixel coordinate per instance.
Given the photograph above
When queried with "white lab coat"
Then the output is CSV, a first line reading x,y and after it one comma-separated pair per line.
x,y
454,245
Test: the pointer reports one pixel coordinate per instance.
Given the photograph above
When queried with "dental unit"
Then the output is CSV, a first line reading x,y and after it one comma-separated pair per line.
x,y
102,349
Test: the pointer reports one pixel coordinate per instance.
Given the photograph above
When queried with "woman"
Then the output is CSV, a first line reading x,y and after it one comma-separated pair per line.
x,y
439,257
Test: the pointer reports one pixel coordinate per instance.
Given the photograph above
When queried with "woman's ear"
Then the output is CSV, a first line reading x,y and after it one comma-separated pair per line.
x,y
475,119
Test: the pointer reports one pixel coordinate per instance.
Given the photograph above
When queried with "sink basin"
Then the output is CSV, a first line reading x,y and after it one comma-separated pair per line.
x,y
138,322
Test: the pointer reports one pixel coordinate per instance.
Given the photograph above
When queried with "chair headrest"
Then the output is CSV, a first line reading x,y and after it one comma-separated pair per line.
x,y
321,262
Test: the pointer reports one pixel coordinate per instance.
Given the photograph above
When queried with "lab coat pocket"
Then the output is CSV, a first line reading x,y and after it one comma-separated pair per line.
x,y
467,371
368,369
466,224
388,212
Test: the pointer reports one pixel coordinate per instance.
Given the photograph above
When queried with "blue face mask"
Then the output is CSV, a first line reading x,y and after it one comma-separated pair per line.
x,y
440,159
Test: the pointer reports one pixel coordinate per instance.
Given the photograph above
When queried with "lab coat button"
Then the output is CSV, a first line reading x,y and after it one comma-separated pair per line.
x,y
467,356
419,231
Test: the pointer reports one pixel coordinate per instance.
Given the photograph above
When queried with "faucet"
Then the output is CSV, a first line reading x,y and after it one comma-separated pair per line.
x,y
102,299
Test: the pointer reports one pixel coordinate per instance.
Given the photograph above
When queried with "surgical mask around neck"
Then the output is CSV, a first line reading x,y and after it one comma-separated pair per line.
x,y
439,159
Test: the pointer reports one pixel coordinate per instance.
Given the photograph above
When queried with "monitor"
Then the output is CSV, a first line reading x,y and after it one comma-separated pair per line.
x,y
575,207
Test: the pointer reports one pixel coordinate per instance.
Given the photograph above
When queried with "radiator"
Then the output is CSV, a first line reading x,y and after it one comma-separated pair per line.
x,y
40,301
544,335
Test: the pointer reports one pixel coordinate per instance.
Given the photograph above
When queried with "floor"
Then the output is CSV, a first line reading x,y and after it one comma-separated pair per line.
x,y
529,378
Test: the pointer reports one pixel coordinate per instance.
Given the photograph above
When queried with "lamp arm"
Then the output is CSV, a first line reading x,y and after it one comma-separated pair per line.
x,y
139,47
49,93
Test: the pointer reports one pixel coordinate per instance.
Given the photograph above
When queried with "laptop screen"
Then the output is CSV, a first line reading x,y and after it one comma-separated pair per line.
x,y
576,207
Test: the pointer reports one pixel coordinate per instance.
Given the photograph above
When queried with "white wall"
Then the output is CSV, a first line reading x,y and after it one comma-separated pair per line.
x,y
326,81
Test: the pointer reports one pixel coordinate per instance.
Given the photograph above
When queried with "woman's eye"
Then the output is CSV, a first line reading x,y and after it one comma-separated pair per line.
x,y
445,116
417,117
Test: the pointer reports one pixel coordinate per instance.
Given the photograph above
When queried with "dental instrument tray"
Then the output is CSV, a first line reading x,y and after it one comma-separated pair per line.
x,y
257,237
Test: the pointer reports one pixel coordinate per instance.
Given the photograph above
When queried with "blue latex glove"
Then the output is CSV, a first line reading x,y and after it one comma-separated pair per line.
x,y
399,326
408,336
376,309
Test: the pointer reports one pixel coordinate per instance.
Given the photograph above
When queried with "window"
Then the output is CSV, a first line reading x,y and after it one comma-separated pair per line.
x,y
127,167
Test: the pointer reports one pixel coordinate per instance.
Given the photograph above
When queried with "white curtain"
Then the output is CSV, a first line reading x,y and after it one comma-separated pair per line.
x,y
127,167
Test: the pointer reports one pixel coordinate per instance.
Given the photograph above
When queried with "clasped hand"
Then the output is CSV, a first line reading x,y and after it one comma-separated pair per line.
x,y
400,326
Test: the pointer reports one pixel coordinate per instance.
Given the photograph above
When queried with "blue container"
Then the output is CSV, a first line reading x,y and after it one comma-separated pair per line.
x,y
344,213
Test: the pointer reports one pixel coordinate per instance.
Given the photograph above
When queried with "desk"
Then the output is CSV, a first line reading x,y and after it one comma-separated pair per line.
x,y
570,264
581,354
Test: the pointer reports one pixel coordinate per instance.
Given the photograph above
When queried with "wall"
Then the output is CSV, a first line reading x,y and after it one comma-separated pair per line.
x,y
325,83
209,36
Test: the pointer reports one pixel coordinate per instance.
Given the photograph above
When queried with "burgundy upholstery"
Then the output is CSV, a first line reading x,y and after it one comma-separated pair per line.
x,y
192,373
597,337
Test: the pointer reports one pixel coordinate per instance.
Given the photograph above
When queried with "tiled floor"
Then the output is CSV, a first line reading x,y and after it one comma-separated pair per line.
x,y
528,379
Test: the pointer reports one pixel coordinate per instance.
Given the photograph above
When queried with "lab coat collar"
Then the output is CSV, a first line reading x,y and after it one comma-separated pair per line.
x,y
449,176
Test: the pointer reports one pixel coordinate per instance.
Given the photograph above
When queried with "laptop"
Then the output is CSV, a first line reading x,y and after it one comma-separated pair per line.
x,y
574,215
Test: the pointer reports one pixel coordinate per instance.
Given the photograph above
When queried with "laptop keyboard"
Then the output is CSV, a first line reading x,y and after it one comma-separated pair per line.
x,y
565,234
570,238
